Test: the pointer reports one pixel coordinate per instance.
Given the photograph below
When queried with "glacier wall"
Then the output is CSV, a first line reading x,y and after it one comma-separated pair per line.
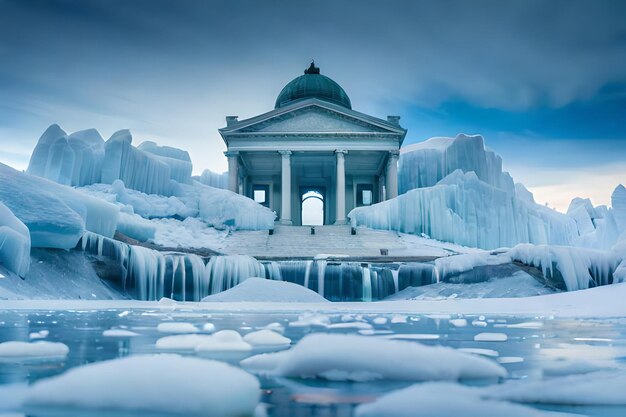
x,y
55,215
426,163
14,243
84,158
464,210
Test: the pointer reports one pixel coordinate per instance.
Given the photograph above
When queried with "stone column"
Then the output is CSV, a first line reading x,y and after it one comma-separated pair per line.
x,y
340,203
233,170
285,193
391,186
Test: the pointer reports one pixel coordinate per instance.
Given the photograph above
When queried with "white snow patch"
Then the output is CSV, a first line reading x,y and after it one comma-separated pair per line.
x,y
265,290
266,338
176,327
41,349
491,337
119,333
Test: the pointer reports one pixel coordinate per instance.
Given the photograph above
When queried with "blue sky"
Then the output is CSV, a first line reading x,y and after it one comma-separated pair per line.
x,y
543,81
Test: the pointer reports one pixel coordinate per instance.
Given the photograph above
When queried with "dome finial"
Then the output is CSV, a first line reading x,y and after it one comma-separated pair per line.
x,y
312,69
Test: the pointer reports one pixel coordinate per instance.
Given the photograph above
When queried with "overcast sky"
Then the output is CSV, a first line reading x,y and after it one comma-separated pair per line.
x,y
543,81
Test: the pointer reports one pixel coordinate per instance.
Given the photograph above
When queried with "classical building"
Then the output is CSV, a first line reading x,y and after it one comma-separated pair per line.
x,y
313,145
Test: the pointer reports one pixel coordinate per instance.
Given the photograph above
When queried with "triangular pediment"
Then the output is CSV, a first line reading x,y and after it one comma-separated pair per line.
x,y
313,117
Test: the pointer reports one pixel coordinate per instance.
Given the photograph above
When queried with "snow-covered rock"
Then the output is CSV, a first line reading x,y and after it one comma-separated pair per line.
x,y
14,242
360,358
151,384
39,349
265,290
56,215
443,400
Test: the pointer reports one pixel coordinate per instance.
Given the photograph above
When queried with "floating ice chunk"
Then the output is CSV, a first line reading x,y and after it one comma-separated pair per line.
x,y
570,367
398,318
479,351
182,341
491,337
42,334
311,319
119,333
443,400
40,349
275,326
149,384
380,321
224,341
266,338
596,388
14,242
208,327
359,325
361,358
174,327
458,322
263,290
412,336
510,359
479,323
525,325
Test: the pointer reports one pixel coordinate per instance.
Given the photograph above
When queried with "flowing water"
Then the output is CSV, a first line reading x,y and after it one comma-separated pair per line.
x,y
532,344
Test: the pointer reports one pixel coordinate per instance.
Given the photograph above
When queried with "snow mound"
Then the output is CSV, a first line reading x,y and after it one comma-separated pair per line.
x,y
360,358
181,342
119,333
596,388
39,349
67,214
443,400
265,290
158,383
224,341
14,242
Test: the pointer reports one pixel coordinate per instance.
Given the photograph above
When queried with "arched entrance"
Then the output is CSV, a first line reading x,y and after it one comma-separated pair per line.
x,y
312,206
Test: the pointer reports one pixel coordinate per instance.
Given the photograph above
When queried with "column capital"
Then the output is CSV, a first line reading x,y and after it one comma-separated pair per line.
x,y
230,154
285,154
394,153
341,151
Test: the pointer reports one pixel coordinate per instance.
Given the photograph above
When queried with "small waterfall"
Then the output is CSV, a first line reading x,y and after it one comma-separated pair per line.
x,y
147,274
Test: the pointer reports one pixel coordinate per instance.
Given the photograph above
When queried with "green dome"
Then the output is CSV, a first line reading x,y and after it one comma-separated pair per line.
x,y
313,85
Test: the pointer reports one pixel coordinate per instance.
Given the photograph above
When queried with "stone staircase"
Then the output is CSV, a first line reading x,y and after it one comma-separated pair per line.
x,y
298,242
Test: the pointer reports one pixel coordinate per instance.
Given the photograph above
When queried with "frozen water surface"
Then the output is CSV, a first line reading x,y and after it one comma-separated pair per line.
x,y
564,344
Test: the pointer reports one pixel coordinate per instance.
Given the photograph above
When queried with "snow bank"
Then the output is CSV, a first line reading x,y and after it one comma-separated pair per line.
x,y
158,384
359,358
464,210
577,268
56,215
40,349
14,242
443,400
265,290
595,388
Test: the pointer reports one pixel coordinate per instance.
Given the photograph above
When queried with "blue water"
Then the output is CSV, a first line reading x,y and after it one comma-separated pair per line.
x,y
530,349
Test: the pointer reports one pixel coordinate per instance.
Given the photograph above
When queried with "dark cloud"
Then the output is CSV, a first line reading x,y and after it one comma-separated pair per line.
x,y
171,70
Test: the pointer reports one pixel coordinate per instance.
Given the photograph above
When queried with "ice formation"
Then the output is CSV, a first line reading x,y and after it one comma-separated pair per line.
x,y
266,338
56,215
577,268
223,341
14,242
151,384
178,160
176,327
360,358
213,179
455,190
